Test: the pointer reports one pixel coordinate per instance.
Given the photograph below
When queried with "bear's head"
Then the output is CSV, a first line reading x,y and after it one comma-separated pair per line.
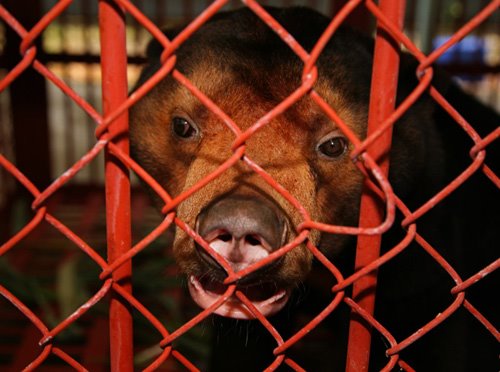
x,y
241,65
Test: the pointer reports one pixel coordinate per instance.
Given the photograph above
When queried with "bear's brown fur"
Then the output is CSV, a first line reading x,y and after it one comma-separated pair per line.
x,y
242,66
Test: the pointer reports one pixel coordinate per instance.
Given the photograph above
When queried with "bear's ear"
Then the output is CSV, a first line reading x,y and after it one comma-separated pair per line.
x,y
154,48
153,54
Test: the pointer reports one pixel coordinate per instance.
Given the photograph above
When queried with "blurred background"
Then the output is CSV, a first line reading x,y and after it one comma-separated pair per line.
x,y
43,133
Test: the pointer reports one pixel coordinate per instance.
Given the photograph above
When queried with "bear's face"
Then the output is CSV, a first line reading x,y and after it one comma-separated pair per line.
x,y
241,216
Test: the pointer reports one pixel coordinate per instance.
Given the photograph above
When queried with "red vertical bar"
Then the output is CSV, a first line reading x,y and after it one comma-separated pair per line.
x,y
114,86
382,103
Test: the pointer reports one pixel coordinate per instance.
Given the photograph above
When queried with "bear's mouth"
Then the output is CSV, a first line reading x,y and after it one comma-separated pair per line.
x,y
242,230
267,298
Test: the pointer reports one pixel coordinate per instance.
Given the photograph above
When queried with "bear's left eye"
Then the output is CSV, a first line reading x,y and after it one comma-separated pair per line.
x,y
333,147
183,128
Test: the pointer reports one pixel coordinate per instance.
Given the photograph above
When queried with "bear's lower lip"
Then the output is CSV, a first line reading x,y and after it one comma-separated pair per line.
x,y
265,297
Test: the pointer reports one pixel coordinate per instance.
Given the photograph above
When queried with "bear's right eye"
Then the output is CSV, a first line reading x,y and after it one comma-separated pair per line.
x,y
182,128
333,146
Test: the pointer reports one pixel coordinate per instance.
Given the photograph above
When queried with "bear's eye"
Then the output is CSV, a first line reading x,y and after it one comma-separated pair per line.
x,y
182,128
333,147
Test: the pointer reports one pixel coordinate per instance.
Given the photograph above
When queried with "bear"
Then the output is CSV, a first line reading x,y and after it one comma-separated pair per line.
x,y
241,65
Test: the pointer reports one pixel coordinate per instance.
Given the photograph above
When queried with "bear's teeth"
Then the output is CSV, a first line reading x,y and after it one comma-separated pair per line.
x,y
196,283
278,296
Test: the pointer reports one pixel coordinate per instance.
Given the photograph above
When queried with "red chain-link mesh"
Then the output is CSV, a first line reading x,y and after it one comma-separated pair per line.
x,y
106,142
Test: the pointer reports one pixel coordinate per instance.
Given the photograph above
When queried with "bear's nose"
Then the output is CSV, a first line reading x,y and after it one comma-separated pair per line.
x,y
242,229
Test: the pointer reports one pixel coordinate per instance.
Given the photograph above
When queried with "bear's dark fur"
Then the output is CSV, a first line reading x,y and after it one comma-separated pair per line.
x,y
246,69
